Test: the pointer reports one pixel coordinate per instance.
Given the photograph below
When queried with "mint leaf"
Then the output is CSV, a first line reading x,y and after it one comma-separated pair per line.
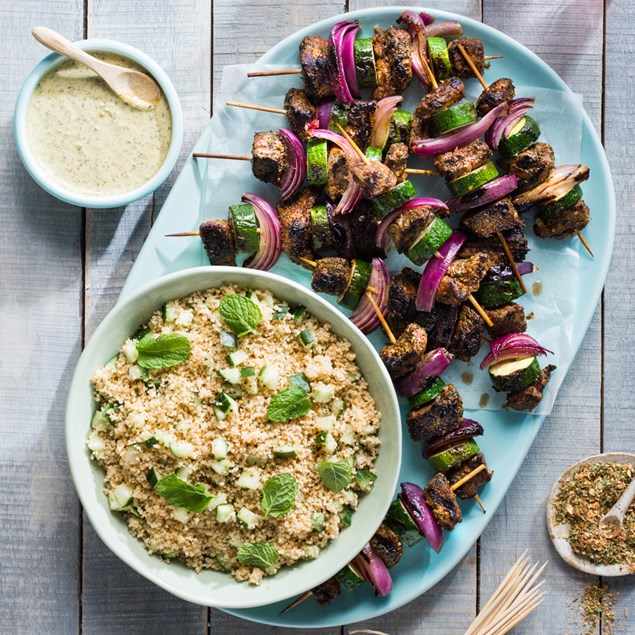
x,y
241,314
278,495
335,475
258,554
288,404
180,493
299,379
164,351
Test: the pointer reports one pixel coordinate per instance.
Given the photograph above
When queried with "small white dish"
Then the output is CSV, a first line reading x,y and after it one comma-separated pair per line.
x,y
559,532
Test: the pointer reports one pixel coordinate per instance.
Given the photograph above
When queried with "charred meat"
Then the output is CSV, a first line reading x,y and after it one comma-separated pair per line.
x,y
359,122
500,91
331,275
269,157
326,592
509,318
374,178
386,544
462,278
469,489
440,335
217,237
497,217
295,221
531,166
458,162
392,62
300,111
402,294
466,339
515,238
402,357
474,48
316,70
408,226
363,222
438,417
396,159
448,93
442,501
531,396
338,174
563,224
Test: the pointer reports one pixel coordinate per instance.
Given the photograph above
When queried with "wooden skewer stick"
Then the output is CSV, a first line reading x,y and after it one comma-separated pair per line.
x,y
477,498
467,477
232,157
480,310
512,262
357,149
381,318
238,104
288,71
183,234
493,57
311,263
584,242
428,70
304,596
424,172
471,64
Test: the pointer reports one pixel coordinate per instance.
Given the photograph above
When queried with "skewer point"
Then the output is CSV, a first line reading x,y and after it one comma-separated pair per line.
x,y
584,242
304,596
288,71
311,263
477,498
183,234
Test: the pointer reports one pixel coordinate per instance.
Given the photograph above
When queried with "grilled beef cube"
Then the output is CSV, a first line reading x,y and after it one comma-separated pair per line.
x,y
407,227
466,339
359,122
269,157
462,278
448,93
516,241
386,544
531,396
402,293
331,275
300,111
474,48
363,222
396,159
460,161
217,237
509,318
338,174
497,217
393,68
469,489
316,69
440,335
326,592
532,166
502,90
442,501
402,357
563,224
438,417
295,221
374,178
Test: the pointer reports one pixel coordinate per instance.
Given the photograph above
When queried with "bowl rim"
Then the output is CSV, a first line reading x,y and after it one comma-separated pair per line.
x,y
48,182
77,459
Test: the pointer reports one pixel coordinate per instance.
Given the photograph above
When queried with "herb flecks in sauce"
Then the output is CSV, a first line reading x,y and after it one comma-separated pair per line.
x,y
88,139
584,499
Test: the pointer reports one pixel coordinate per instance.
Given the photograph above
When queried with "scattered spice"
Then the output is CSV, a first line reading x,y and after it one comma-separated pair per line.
x,y
584,499
597,609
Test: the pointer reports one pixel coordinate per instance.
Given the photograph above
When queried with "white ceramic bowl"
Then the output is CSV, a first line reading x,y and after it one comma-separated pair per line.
x,y
211,588
43,178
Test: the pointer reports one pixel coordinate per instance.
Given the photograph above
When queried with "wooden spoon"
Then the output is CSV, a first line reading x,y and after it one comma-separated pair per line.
x,y
133,87
611,524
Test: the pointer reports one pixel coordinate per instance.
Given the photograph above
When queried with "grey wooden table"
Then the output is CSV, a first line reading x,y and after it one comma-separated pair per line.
x,y
61,269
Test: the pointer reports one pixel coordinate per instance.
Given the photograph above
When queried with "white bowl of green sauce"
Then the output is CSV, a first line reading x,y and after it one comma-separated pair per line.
x,y
84,145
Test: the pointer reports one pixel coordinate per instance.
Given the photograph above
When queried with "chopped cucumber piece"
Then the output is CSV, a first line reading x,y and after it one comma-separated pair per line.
x,y
230,375
219,499
120,499
112,362
225,403
307,338
318,522
357,283
450,457
438,48
228,340
99,421
337,407
364,56
524,133
285,452
220,467
281,313
429,241
243,218
298,313
299,379
248,371
135,372
498,293
454,117
473,180
181,514
320,437
346,517
185,472
393,198
169,311
322,393
326,423
427,394
236,358
513,375
269,377
330,444
225,513
247,518
181,449
317,161
130,352
140,333
249,478
365,479
220,448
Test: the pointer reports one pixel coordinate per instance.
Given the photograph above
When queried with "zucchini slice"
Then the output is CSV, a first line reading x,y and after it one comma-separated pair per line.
x,y
243,218
453,118
429,241
438,48
374,154
499,293
357,283
393,198
317,162
514,374
522,135
321,235
454,455
560,204
401,522
427,394
399,131
364,62
473,180
350,577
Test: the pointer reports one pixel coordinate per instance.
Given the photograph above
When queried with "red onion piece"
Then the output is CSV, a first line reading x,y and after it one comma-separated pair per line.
x,y
374,571
348,60
426,18
435,269
352,195
270,234
505,272
381,120
364,316
413,499
488,193
500,126
418,46
433,147
468,429
341,142
560,181
337,39
444,28
342,234
295,174
513,346
381,237
324,111
434,364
